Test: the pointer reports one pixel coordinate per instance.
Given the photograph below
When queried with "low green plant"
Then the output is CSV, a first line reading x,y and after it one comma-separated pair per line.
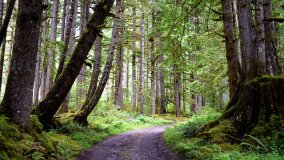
x,y
179,138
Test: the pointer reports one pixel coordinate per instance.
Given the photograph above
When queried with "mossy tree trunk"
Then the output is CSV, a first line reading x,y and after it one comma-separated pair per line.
x,y
17,100
254,102
86,110
49,106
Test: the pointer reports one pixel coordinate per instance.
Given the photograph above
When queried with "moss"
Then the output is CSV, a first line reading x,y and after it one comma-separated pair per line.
x,y
35,124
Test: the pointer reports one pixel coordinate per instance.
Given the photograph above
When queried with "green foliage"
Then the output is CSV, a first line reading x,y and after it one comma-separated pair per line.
x,y
200,147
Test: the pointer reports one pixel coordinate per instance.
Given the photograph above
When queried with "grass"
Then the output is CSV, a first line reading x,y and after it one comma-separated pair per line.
x,y
179,139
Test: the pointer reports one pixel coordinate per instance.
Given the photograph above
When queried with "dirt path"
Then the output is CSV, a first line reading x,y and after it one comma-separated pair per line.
x,y
143,144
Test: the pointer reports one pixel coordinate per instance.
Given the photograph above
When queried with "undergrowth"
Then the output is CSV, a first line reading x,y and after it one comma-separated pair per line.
x,y
70,140
179,137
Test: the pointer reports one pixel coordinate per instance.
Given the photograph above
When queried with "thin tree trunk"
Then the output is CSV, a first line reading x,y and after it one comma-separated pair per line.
x,y
2,62
161,80
53,31
4,26
3,45
134,82
95,72
63,55
49,106
152,68
17,101
119,62
82,116
37,77
44,62
63,20
141,77
231,49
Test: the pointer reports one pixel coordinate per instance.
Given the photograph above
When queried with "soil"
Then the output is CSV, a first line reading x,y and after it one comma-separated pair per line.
x,y
142,144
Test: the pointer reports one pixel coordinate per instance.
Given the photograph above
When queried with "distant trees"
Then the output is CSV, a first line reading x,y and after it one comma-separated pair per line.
x,y
172,50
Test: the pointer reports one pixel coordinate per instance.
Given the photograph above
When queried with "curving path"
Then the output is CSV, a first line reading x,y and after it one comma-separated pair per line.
x,y
143,144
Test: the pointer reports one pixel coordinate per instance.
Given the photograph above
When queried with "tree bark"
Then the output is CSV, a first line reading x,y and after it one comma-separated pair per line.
x,y
17,99
231,49
152,67
44,62
134,81
95,72
141,69
4,26
63,20
3,46
119,61
260,38
82,116
270,41
37,77
49,106
63,55
51,54
247,37
161,80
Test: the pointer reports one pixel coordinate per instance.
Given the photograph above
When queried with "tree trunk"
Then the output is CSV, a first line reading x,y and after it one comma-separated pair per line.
x,y
82,116
231,49
18,95
51,54
260,38
270,41
37,77
95,73
119,61
247,37
63,55
152,67
63,20
49,106
161,80
44,62
4,26
141,77
134,81
3,45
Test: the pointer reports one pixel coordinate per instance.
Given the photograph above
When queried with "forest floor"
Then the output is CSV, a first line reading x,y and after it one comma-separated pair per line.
x,y
142,144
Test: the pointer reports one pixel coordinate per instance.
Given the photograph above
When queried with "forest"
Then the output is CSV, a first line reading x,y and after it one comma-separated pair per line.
x,y
141,79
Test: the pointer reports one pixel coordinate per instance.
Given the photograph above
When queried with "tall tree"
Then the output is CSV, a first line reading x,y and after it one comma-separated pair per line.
x,y
134,82
85,112
51,56
119,61
49,106
4,25
17,99
247,36
260,38
142,61
152,69
231,50
270,40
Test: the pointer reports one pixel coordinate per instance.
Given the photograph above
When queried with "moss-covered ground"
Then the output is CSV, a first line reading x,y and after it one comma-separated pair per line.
x,y
218,144
70,140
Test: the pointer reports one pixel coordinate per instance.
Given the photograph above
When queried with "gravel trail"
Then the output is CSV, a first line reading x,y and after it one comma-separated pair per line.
x,y
142,144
